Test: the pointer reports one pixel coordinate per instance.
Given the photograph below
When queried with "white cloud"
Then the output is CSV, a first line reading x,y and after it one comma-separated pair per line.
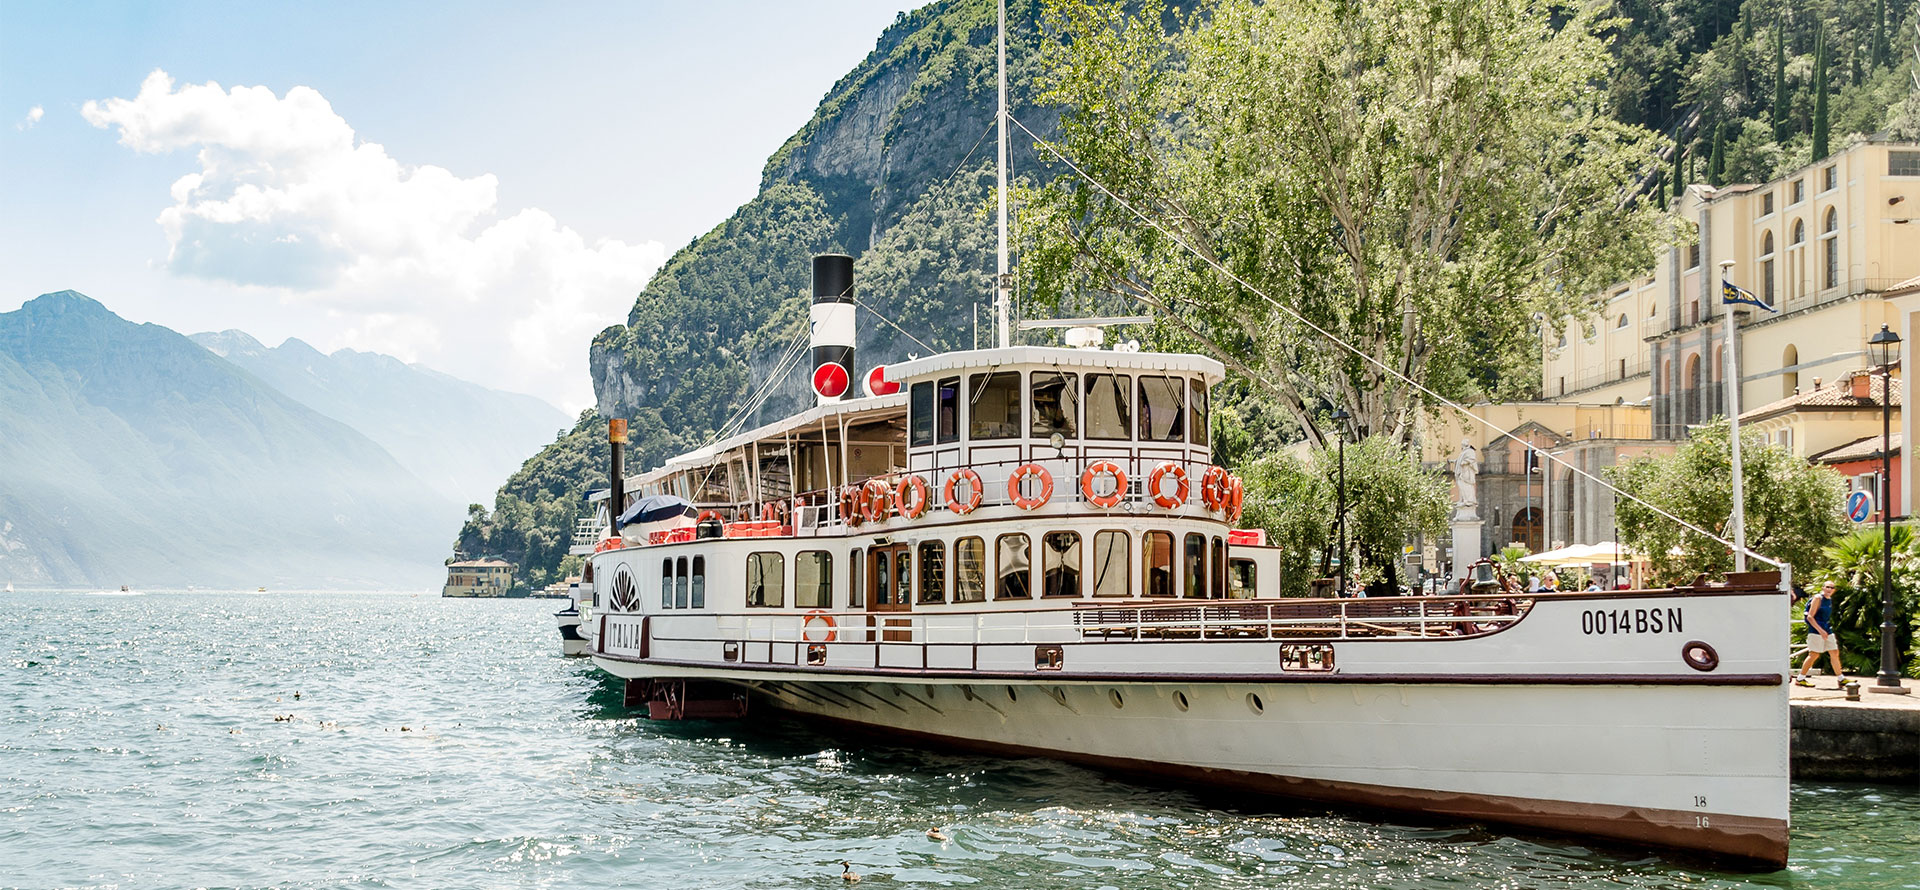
x,y
409,260
34,115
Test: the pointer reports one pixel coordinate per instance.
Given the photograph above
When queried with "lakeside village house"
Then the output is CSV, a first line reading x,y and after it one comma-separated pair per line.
x,y
1833,246
478,577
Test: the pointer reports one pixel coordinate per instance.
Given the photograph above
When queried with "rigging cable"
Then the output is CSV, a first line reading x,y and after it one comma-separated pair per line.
x,y
1388,369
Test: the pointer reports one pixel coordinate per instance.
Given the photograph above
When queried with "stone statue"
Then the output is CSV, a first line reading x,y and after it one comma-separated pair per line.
x,y
1466,472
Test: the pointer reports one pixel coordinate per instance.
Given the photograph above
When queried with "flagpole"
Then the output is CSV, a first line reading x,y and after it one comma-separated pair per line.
x,y
1738,521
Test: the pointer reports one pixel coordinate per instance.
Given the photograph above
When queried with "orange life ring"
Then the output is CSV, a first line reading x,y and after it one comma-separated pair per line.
x,y
912,496
609,544
1236,493
1179,475
1019,497
806,624
850,505
957,505
1104,468
1213,488
876,499
706,515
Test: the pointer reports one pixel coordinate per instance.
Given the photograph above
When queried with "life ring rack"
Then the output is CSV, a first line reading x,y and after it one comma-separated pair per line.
x,y
962,506
1104,468
911,496
1183,489
1016,489
876,500
1215,491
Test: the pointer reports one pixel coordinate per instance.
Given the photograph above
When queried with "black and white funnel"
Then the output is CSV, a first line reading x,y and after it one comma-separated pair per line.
x,y
833,330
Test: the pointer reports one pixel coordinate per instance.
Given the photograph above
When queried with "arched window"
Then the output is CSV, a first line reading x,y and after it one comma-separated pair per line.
x,y
1526,528
1766,268
1690,408
1799,231
1622,322
1830,248
1790,378
1719,371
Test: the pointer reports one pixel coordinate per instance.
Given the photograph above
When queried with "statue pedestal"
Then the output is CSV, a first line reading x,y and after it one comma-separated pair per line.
x,y
1466,540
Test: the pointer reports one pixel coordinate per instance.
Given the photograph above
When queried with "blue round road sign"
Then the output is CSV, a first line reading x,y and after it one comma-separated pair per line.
x,y
1859,504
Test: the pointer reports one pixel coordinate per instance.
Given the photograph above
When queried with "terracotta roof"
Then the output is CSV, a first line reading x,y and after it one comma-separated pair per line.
x,y
1908,286
1857,450
1830,396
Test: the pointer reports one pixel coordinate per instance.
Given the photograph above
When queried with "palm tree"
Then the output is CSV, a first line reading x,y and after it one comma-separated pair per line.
x,y
1853,564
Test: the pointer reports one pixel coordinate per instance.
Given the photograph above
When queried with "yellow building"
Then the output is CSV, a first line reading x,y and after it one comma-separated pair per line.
x,y
478,577
1832,246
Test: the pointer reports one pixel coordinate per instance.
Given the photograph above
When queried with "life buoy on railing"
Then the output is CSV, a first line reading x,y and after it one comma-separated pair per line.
x,y
912,496
1016,487
609,544
850,505
1104,468
820,615
1236,493
963,505
708,515
876,500
1182,489
1213,488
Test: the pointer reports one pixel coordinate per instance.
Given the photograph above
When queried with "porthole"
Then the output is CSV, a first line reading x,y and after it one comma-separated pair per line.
x,y
1011,696
1255,704
1113,695
1699,656
1180,700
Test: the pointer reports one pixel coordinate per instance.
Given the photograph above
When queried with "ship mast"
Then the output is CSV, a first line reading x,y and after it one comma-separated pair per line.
x,y
1003,283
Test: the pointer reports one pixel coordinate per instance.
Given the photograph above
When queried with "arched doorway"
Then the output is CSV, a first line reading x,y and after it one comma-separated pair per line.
x,y
1527,528
1790,380
1692,392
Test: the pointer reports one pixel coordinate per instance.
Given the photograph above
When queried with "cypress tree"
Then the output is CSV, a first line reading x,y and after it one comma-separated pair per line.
x,y
1820,95
1877,55
1717,162
1660,188
1679,170
1779,83
1853,63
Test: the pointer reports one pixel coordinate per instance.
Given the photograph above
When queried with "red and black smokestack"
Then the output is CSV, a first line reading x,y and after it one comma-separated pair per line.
x,y
832,315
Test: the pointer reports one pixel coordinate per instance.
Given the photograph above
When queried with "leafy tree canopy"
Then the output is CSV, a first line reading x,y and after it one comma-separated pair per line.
x,y
1390,499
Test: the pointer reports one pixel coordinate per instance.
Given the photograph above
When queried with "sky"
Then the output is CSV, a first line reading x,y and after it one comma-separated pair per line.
x,y
478,187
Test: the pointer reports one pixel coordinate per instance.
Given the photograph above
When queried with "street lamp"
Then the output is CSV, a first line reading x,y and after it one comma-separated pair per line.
x,y
1883,348
1340,418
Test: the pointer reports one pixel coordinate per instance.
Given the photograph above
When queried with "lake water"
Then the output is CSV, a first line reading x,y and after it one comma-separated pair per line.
x,y
155,741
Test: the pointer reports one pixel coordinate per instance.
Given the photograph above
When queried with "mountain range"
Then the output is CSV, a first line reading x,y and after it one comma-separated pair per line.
x,y
132,454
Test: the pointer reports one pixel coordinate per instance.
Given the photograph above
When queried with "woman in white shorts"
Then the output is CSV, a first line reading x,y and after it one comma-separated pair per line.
x,y
1820,638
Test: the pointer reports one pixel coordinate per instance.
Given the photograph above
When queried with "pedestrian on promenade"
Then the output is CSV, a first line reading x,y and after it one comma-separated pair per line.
x,y
1820,638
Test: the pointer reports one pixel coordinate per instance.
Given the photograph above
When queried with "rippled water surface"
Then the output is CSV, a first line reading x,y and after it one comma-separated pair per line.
x,y
390,740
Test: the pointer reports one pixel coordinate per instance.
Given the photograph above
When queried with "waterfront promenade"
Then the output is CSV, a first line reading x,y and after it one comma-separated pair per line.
x,y
1875,739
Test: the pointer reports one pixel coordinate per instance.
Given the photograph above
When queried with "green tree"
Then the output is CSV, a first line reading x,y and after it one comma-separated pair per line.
x,y
1679,170
1391,499
1853,563
1780,97
1820,96
1717,162
1418,179
1793,507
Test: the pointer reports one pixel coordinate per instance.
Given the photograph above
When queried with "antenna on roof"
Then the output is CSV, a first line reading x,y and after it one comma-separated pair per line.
x,y
1002,283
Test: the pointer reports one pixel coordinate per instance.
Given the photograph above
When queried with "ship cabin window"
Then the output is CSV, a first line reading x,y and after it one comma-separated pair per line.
x,y
856,595
946,423
1156,563
933,572
882,576
1193,565
1060,564
1241,577
766,580
903,577
682,595
994,405
1109,406
813,580
699,582
1056,404
1217,585
666,583
1162,412
920,414
1014,574
1197,413
969,570
1110,564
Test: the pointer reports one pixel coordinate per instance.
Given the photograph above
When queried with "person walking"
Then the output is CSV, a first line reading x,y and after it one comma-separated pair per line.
x,y
1820,638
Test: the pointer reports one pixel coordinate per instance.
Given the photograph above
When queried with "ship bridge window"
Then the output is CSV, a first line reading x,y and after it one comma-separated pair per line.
x,y
666,583
947,417
699,582
1110,564
1197,413
994,406
1156,563
1193,566
1162,412
1056,404
813,579
1109,406
1015,568
920,406
1060,564
766,580
933,572
682,595
969,570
